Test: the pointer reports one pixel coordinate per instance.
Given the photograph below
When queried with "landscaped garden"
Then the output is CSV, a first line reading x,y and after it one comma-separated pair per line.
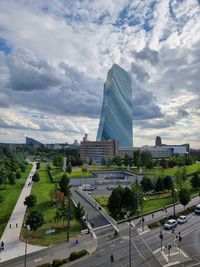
x,y
47,195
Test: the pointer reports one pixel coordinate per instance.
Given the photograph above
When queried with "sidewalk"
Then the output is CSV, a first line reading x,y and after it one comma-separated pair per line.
x,y
13,247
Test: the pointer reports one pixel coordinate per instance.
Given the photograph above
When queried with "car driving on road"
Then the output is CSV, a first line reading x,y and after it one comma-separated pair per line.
x,y
170,224
182,219
197,209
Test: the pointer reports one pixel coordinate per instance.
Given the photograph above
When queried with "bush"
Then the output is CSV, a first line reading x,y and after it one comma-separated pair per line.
x,y
1,199
76,255
57,263
44,265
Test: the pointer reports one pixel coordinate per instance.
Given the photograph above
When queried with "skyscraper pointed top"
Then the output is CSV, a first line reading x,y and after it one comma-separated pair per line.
x,y
116,113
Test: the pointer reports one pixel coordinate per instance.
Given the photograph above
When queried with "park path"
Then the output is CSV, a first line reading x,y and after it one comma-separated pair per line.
x,y
13,246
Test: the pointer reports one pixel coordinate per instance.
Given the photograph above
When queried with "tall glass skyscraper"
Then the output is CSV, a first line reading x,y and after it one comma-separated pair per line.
x,y
116,120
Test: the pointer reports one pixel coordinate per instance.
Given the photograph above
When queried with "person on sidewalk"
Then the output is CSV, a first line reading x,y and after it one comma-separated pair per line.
x,y
2,246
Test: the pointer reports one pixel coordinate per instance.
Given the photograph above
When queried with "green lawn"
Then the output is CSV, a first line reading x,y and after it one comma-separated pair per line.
x,y
56,173
42,191
10,194
171,171
153,203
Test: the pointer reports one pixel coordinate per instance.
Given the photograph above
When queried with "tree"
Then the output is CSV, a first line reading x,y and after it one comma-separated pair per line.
x,y
163,163
18,174
184,196
167,182
195,180
103,161
138,195
64,212
3,175
184,174
79,211
69,167
146,159
179,180
12,178
58,161
35,219
159,185
30,201
84,170
147,184
114,203
38,165
136,157
117,160
128,199
36,177
64,185
127,160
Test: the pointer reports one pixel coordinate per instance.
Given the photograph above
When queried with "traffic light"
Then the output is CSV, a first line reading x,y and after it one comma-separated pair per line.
x,y
111,258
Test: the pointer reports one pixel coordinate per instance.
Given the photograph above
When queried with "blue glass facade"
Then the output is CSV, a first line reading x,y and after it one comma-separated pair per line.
x,y
116,120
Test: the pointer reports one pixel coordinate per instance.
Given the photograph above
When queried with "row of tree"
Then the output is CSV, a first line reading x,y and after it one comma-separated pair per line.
x,y
144,159
12,164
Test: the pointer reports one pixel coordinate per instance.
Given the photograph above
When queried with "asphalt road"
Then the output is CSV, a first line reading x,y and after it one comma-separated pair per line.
x,y
142,247
93,216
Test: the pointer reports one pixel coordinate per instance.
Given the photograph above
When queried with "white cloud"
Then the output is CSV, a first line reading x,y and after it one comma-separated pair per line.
x,y
61,51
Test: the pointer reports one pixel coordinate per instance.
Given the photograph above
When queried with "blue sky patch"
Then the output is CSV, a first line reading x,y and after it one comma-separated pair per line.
x,y
4,46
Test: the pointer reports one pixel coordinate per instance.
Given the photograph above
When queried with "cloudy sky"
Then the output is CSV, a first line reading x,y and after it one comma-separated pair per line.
x,y
54,57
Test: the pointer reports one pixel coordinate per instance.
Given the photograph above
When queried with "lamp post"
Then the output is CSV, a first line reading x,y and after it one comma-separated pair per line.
x,y
27,228
129,243
174,196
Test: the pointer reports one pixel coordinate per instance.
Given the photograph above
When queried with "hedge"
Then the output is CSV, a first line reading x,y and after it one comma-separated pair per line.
x,y
76,255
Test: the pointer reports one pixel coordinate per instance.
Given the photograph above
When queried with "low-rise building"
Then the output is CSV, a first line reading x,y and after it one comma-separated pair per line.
x,y
95,150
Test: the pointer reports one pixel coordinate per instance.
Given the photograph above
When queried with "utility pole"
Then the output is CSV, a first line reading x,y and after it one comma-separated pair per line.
x,y
27,228
129,243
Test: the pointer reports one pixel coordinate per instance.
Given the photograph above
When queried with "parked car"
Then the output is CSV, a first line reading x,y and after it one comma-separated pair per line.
x,y
197,209
170,224
182,219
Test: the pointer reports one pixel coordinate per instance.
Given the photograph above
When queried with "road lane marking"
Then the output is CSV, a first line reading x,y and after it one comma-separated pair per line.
x,y
112,246
171,263
36,260
122,241
102,250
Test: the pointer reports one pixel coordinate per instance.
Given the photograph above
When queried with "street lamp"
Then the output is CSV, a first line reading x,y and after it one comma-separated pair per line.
x,y
28,228
129,243
174,196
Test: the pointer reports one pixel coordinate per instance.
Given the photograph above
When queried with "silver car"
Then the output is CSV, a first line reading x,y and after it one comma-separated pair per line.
x,y
170,224
182,219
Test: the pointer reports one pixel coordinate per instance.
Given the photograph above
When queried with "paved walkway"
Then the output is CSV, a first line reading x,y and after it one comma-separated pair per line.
x,y
13,247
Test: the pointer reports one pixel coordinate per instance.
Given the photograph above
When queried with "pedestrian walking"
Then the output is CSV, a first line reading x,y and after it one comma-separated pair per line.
x,y
16,225
152,215
10,226
2,245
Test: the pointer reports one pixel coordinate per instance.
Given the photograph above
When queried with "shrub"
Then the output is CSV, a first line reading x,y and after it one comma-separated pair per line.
x,y
76,255
44,265
57,263
1,199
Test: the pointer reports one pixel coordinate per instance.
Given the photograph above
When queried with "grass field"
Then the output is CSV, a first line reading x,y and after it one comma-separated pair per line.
x,y
152,203
171,171
42,191
10,194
